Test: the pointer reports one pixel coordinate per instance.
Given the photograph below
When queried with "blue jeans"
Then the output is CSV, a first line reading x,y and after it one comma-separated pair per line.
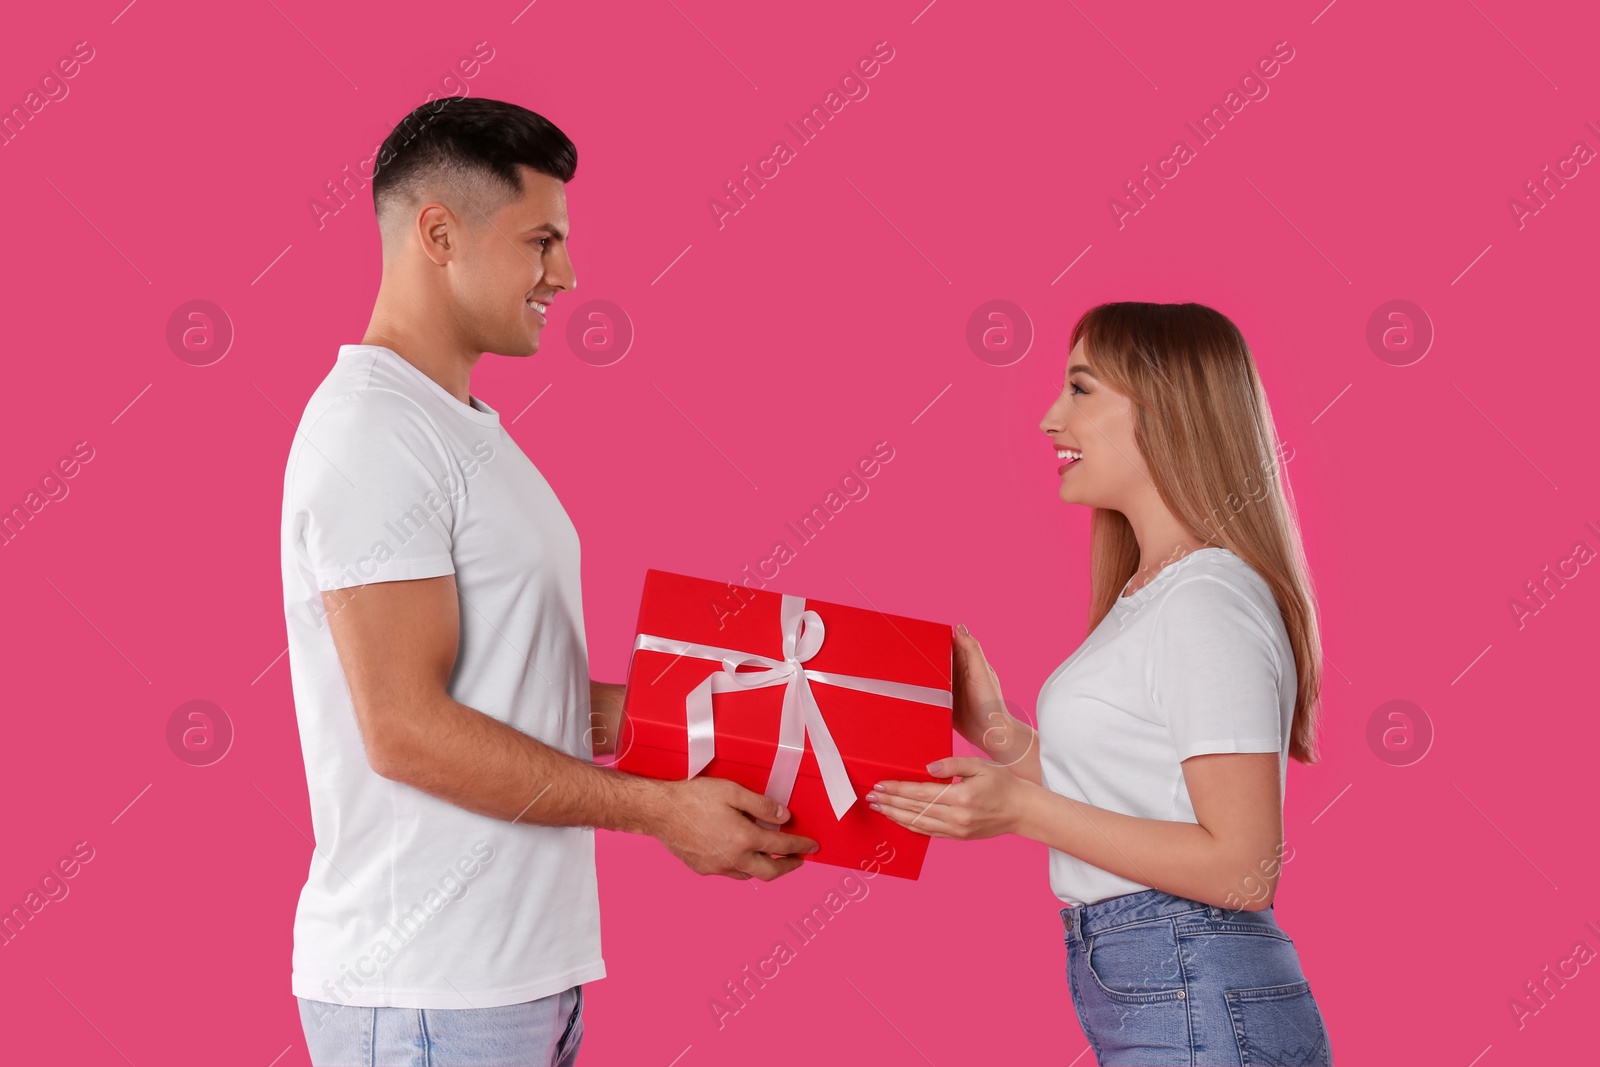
x,y
538,1033
1158,980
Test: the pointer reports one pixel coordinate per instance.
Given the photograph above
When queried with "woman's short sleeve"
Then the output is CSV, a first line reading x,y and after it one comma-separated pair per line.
x,y
1215,669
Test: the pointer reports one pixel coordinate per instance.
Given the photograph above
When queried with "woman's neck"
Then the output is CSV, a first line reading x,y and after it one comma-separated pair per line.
x,y
1163,540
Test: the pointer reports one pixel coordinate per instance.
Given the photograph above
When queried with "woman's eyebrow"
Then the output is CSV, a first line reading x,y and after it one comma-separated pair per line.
x,y
1080,368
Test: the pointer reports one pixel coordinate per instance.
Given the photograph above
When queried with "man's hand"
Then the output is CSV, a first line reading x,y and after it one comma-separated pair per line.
x,y
709,824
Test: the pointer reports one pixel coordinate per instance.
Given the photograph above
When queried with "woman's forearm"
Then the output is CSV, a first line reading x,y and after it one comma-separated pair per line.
x,y
1182,858
1015,745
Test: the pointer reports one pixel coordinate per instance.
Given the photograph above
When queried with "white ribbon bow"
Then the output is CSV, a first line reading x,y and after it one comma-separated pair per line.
x,y
802,637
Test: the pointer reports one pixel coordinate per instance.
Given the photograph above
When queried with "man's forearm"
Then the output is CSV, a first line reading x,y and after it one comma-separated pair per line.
x,y
479,763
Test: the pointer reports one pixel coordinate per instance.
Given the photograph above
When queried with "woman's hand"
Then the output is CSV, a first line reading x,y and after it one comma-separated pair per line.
x,y
978,709
987,802
977,703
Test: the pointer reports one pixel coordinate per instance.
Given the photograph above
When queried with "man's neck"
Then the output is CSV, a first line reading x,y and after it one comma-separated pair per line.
x,y
431,351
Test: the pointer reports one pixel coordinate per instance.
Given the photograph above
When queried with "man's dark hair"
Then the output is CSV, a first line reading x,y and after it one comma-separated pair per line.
x,y
468,149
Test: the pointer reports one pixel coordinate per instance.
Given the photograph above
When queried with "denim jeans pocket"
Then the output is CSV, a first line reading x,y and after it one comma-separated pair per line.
x,y
1278,1025
1222,921
572,1036
1136,964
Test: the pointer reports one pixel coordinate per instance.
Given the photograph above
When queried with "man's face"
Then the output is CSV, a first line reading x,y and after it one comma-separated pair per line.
x,y
512,265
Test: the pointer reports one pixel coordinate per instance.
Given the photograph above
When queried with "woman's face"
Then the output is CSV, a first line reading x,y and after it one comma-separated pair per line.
x,y
1093,421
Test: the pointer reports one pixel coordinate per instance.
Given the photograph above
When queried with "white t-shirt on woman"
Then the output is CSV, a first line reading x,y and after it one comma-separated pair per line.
x,y
1196,661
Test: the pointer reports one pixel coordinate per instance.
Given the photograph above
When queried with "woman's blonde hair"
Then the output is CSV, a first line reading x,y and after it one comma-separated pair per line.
x,y
1205,430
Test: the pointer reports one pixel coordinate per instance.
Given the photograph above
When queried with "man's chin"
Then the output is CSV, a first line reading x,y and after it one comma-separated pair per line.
x,y
524,346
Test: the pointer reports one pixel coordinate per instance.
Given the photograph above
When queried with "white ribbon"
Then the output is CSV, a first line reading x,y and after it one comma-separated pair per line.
x,y
802,637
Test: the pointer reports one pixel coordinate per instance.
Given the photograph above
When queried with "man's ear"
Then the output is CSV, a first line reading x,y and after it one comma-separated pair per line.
x,y
438,232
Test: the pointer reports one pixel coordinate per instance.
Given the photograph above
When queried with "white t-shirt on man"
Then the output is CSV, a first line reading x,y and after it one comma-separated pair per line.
x,y
412,901
1198,660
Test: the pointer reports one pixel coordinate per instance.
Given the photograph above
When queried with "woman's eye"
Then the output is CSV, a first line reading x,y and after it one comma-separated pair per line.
x,y
1076,388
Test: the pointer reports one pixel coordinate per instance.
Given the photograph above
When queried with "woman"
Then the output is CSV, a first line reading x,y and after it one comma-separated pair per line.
x,y
1163,741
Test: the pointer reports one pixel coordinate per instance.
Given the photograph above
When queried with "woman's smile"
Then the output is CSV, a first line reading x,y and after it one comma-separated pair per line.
x,y
1072,456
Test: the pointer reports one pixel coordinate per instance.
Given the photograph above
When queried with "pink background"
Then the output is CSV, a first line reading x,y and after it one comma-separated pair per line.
x,y
824,317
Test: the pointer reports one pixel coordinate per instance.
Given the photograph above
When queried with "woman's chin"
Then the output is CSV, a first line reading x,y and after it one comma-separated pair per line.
x,y
1069,496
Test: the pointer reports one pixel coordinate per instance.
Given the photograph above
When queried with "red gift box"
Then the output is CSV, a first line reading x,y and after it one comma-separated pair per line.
x,y
729,668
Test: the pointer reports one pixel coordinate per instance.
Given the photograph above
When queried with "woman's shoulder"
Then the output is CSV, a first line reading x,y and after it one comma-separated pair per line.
x,y
1216,606
1217,576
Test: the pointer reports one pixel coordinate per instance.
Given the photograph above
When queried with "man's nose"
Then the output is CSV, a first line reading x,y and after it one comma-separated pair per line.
x,y
563,277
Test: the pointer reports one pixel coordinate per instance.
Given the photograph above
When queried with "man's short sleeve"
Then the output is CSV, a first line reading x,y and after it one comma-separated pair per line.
x,y
1215,670
370,490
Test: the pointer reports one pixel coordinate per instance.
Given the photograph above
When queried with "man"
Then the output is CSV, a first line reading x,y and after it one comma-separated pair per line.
x,y
436,644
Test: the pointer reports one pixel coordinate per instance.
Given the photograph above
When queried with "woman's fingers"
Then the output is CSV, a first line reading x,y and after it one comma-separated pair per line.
x,y
971,665
964,766
972,651
924,810
925,792
922,817
963,645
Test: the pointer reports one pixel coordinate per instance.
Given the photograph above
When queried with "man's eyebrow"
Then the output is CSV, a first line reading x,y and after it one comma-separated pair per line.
x,y
549,227
1080,368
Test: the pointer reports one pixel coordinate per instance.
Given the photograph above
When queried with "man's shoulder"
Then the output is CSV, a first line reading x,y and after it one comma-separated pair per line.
x,y
362,393
360,419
